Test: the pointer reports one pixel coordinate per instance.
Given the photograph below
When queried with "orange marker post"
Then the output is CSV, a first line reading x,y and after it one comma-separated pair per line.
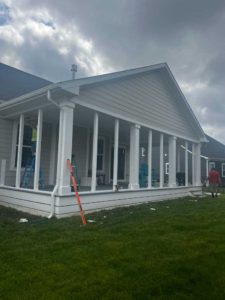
x,y
77,194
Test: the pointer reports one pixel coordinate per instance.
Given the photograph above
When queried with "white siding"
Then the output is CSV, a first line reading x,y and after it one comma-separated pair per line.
x,y
143,98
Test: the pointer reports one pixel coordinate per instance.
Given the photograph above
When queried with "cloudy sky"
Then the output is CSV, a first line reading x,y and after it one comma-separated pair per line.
x,y
45,37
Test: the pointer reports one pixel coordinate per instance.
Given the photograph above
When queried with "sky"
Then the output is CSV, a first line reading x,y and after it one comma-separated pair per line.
x,y
45,37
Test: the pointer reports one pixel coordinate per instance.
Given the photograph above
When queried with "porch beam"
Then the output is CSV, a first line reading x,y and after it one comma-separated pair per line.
x,y
186,163
134,156
38,150
19,151
94,152
172,161
115,160
150,159
161,161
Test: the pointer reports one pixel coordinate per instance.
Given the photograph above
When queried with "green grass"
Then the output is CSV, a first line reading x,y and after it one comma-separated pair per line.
x,y
174,252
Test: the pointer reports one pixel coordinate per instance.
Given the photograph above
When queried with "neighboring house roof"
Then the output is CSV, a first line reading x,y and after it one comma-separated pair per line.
x,y
214,150
14,82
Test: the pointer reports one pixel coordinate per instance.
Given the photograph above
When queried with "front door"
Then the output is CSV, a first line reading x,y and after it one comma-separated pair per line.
x,y
121,163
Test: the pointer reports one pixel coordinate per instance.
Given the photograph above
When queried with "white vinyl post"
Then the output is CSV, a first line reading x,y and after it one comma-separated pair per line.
x,y
178,158
19,151
87,152
3,170
38,150
150,159
198,164
66,140
115,161
134,156
59,147
94,152
172,161
193,164
161,161
53,155
186,163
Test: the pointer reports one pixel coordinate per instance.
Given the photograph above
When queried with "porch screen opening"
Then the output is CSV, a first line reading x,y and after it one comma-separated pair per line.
x,y
100,156
27,145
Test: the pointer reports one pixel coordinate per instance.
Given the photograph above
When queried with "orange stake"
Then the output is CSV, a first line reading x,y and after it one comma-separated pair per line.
x,y
77,194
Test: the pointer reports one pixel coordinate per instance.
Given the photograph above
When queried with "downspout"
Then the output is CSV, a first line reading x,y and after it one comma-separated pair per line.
x,y
52,212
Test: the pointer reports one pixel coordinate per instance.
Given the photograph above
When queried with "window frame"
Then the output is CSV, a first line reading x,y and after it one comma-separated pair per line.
x,y
212,164
15,145
101,154
167,165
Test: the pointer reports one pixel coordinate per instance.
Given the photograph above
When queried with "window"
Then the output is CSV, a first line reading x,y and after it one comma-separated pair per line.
x,y
27,145
167,168
101,154
211,165
223,169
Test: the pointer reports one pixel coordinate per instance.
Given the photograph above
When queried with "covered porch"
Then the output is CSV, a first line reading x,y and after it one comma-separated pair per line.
x,y
116,161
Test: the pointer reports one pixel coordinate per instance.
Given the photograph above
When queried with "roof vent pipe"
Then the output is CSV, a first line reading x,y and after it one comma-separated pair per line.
x,y
73,70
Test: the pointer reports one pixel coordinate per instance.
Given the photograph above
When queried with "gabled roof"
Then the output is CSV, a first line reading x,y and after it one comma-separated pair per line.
x,y
14,82
73,86
214,150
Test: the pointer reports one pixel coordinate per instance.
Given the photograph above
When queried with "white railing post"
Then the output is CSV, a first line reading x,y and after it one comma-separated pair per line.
x,y
19,151
3,171
186,163
134,156
150,159
161,161
172,161
38,150
94,152
115,161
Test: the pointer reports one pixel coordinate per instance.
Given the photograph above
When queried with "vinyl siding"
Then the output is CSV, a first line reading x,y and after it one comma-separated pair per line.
x,y
145,99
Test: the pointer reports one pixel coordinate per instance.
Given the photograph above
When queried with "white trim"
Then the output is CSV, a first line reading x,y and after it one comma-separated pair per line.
x,y
13,149
94,151
186,163
38,150
116,153
167,164
87,152
150,159
212,164
161,161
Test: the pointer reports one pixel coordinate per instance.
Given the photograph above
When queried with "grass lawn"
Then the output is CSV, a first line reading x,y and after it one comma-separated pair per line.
x,y
176,251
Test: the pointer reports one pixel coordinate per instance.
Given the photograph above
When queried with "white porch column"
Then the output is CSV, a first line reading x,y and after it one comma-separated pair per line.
x,y
178,158
193,164
87,152
3,171
207,170
172,161
66,139
59,151
186,163
53,150
19,151
150,159
115,160
134,156
198,181
38,150
94,152
161,161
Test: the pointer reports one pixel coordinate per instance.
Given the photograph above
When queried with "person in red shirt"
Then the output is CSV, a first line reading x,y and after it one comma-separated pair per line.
x,y
214,181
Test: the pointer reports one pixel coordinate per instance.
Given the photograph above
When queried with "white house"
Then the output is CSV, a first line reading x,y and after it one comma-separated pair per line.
x,y
124,132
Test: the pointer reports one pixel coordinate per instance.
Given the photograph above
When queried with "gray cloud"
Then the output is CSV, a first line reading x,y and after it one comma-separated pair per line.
x,y
112,35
